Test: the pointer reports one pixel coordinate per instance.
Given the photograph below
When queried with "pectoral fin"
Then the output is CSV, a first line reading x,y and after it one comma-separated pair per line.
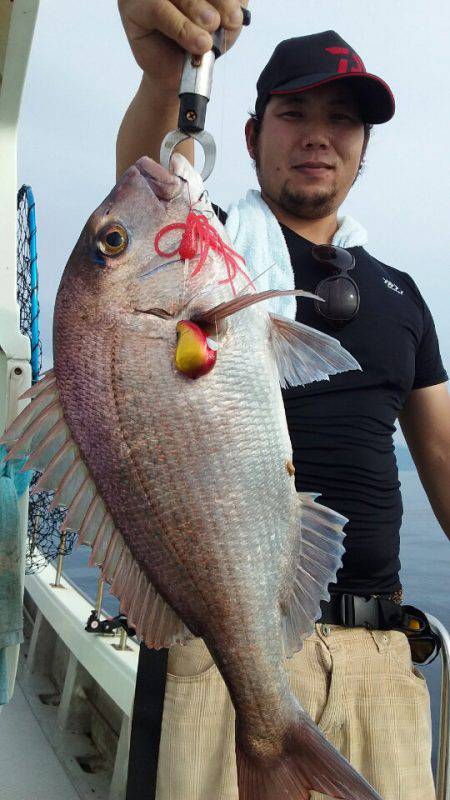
x,y
304,355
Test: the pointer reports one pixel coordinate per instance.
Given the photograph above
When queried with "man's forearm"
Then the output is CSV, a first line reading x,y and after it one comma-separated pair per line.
x,y
425,422
435,477
150,115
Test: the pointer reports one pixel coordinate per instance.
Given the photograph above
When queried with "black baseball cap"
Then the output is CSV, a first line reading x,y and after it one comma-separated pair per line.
x,y
307,61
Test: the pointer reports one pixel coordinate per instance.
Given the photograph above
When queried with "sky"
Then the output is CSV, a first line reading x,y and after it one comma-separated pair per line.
x,y
82,77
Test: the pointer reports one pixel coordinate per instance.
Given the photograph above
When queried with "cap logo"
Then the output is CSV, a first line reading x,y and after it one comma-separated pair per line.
x,y
344,63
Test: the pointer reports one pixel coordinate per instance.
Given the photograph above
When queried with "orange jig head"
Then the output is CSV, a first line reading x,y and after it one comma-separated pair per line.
x,y
196,353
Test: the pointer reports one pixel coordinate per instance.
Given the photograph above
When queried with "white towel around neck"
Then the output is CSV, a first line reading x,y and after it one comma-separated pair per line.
x,y
256,234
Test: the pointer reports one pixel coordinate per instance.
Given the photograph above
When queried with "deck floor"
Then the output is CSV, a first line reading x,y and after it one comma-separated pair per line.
x,y
29,768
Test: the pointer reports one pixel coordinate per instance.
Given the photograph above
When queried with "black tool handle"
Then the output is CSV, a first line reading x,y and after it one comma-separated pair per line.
x,y
192,115
247,16
193,105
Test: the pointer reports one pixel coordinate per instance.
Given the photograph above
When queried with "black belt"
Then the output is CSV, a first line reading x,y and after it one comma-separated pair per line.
x,y
381,613
354,611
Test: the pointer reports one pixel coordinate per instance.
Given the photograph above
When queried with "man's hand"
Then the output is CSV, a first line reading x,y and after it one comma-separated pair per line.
x,y
160,30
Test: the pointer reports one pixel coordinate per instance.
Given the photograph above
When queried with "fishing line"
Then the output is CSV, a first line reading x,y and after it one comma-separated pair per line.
x,y
273,264
224,92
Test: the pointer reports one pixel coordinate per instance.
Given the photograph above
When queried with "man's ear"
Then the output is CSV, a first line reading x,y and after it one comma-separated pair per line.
x,y
250,137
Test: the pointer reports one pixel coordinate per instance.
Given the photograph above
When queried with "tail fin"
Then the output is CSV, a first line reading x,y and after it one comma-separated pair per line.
x,y
309,763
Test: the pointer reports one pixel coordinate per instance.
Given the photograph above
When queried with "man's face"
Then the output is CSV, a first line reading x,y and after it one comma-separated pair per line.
x,y
309,149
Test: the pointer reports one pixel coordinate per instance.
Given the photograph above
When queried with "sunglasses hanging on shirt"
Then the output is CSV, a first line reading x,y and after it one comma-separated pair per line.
x,y
339,293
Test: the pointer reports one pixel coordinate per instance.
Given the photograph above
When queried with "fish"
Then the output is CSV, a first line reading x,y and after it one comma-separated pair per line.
x,y
161,429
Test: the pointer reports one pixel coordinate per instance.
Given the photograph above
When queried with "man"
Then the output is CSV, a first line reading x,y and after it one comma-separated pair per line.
x,y
314,110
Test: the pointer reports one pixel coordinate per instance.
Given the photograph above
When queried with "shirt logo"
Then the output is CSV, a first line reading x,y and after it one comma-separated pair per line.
x,y
392,286
344,63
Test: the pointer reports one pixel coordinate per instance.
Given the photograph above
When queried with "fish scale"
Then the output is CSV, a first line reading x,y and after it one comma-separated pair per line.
x,y
216,471
183,463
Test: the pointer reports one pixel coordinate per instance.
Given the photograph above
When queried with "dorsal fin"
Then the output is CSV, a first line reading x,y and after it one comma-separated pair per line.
x,y
41,434
79,505
47,379
33,435
29,413
54,439
102,540
57,467
70,484
92,521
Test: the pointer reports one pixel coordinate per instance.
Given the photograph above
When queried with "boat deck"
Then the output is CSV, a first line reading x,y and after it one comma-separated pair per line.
x,y
29,768
65,734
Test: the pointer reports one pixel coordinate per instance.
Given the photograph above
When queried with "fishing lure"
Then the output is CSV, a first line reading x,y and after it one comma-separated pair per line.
x,y
199,237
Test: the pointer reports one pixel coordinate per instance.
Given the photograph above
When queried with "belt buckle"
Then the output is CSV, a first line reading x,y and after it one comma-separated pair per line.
x,y
359,612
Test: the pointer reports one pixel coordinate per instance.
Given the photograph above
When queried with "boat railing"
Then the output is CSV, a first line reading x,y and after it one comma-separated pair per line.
x,y
443,765
58,613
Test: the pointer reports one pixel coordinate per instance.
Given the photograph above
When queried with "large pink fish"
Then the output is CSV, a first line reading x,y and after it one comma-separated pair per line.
x,y
162,428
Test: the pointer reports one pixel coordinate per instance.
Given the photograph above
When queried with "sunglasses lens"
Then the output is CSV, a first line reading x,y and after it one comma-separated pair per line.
x,y
340,299
422,650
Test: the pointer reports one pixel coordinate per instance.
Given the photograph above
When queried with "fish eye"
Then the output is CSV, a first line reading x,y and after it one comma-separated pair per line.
x,y
113,240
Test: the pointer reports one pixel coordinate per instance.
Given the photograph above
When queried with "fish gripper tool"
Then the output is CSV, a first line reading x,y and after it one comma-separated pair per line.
x,y
195,91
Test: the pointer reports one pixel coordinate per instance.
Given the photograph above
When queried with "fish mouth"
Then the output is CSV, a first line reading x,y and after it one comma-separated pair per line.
x,y
164,185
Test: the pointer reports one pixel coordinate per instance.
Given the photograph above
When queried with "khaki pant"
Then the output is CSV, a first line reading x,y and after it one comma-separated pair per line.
x,y
360,688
